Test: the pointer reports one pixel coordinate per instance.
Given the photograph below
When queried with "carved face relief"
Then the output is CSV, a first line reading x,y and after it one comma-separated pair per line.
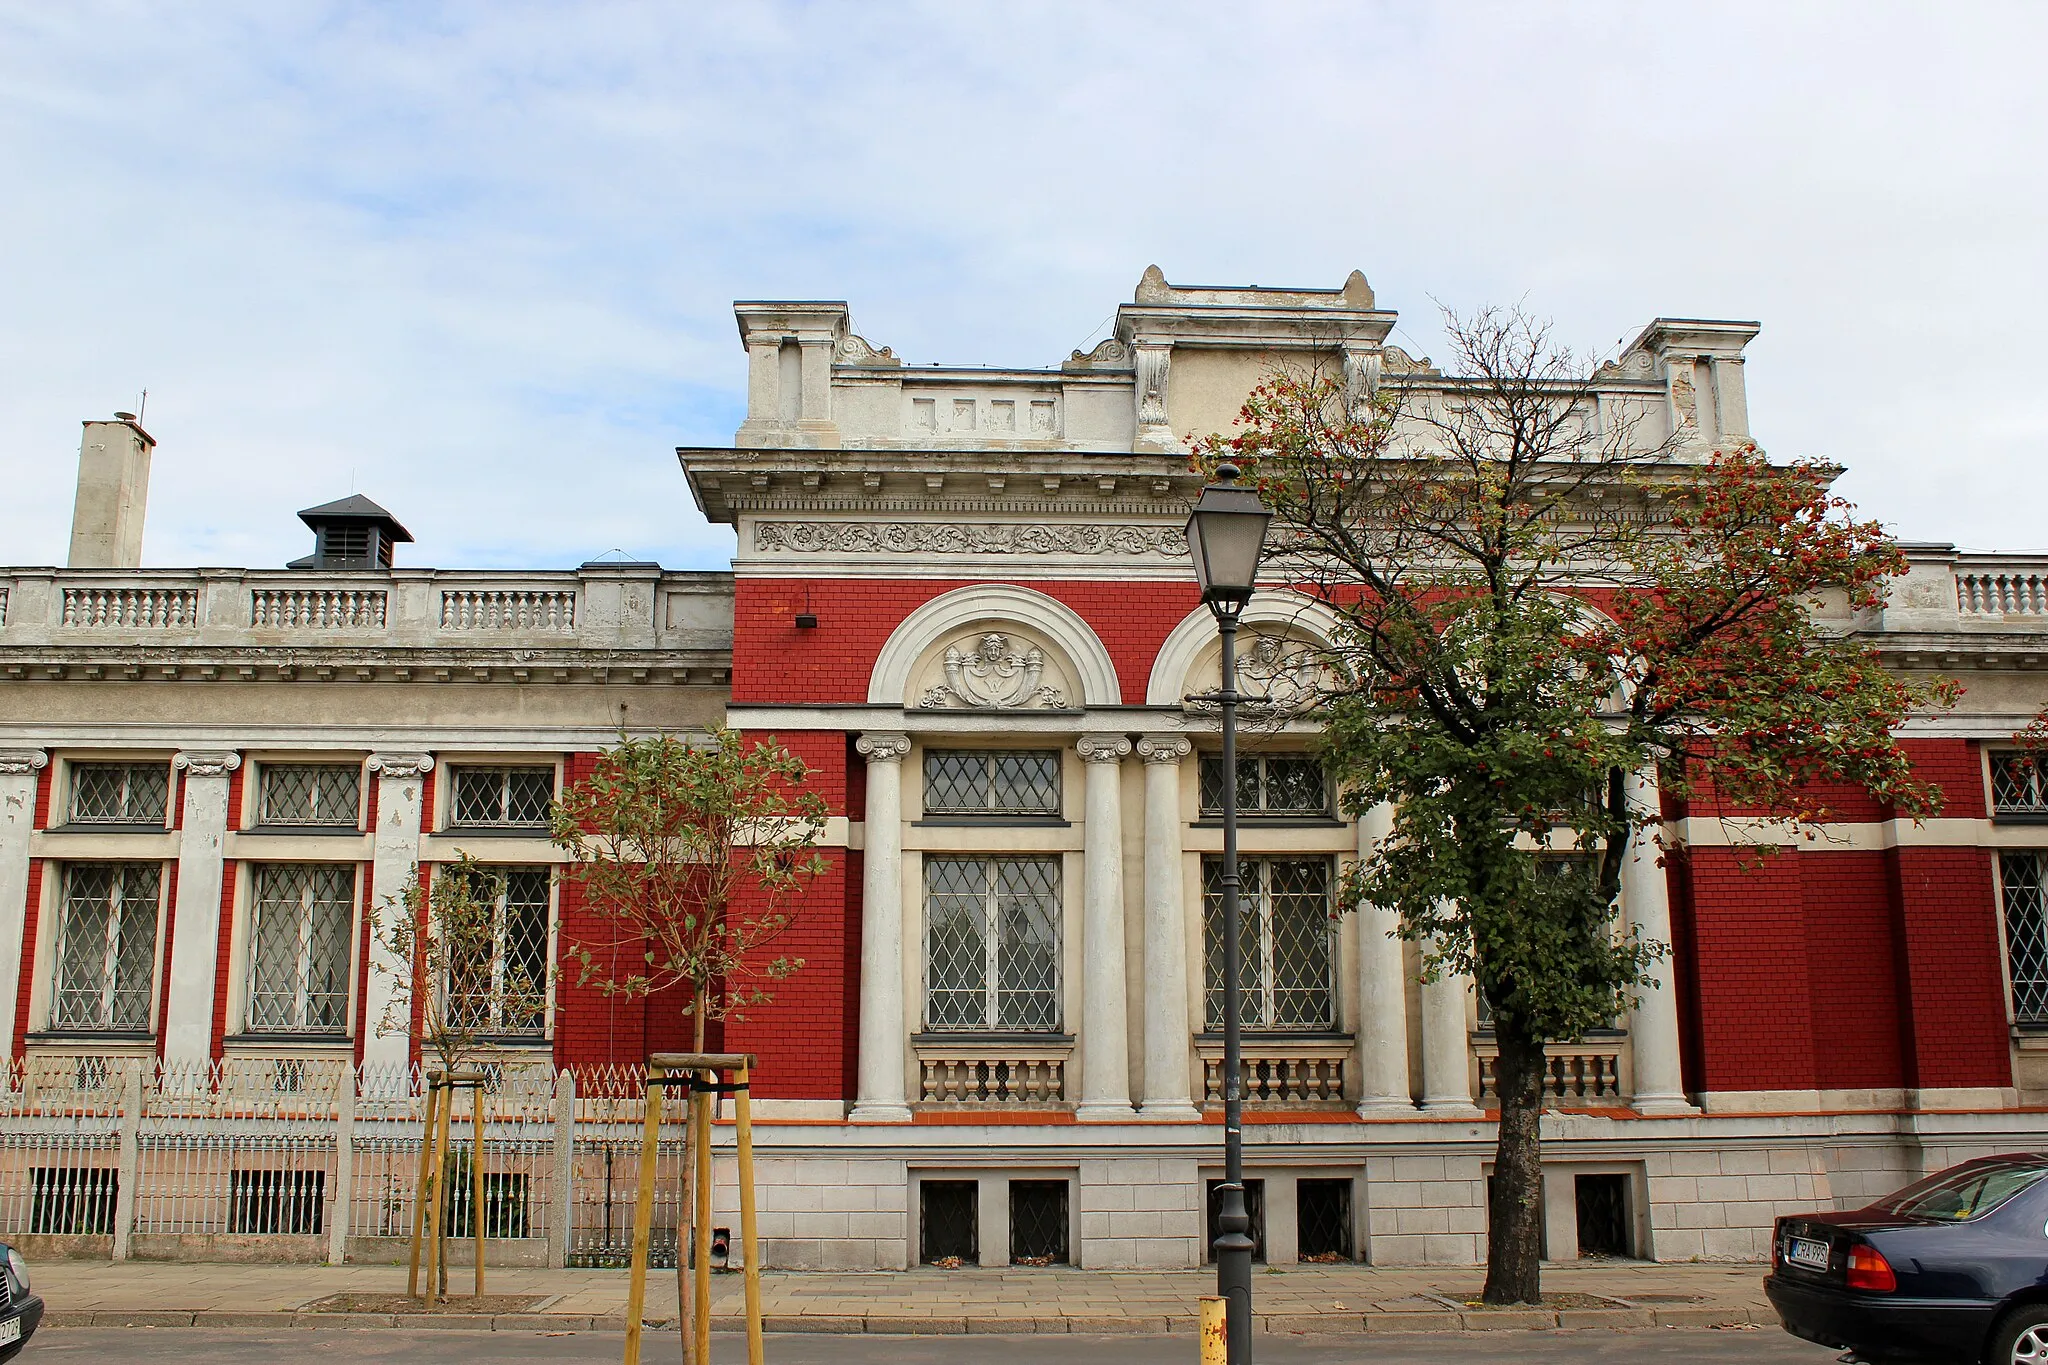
x,y
994,671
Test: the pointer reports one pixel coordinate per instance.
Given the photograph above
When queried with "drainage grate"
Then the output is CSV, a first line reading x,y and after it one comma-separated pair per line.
x,y
1254,1204
949,1222
1038,1222
1322,1211
1603,1216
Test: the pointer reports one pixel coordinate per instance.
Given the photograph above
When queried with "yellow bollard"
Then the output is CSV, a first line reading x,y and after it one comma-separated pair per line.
x,y
1215,1332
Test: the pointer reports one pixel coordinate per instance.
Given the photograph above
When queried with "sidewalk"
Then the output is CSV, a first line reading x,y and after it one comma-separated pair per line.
x,y
1322,1299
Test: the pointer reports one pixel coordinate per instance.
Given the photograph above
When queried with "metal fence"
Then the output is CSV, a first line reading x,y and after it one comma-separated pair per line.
x,y
290,1159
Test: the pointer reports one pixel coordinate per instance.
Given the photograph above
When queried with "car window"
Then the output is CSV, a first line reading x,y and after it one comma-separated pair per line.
x,y
1965,1193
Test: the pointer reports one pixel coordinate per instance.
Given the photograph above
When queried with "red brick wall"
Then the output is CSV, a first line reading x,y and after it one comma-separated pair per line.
x,y
593,1028
775,662
26,969
1949,931
365,1025
170,922
46,781
1952,764
1852,966
801,1035
1749,943
223,955
235,796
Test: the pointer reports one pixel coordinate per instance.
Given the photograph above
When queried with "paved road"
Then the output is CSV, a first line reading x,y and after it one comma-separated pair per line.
x,y
191,1346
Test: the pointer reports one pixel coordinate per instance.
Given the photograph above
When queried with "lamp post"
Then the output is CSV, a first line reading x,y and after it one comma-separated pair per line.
x,y
1226,536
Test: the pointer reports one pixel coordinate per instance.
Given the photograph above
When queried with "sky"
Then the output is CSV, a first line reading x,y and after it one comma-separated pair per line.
x,y
477,261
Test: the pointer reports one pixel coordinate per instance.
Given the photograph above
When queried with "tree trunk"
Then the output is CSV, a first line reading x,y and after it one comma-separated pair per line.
x,y
1514,1237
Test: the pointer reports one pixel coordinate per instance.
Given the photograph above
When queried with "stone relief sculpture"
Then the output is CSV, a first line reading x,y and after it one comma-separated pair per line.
x,y
1109,354
1277,677
1154,362
826,537
1361,382
855,350
990,674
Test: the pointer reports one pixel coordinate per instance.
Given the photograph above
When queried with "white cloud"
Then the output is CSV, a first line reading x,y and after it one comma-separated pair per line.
x,y
477,260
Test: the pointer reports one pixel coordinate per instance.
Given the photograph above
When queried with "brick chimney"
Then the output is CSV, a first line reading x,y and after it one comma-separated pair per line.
x,y
113,490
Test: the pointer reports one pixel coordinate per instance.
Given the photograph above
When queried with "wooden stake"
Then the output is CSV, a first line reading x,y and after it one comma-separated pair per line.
x,y
643,1217
419,1193
476,1179
441,1193
686,1227
703,1228
743,1125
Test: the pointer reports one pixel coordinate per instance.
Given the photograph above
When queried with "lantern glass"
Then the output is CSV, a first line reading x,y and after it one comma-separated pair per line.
x,y
1226,537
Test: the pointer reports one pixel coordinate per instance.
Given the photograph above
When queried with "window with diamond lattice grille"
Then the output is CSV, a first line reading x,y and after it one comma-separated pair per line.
x,y
504,797
992,936
106,947
311,794
299,947
119,793
991,782
2019,783
1284,943
1268,784
2026,935
505,995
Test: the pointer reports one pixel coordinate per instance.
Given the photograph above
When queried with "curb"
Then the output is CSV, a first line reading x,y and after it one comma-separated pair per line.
x,y
1144,1324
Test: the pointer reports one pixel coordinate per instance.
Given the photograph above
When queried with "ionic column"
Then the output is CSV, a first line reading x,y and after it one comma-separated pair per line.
x,y
880,1094
1447,1046
1105,1024
1168,1094
1653,1024
394,855
1382,993
18,770
194,957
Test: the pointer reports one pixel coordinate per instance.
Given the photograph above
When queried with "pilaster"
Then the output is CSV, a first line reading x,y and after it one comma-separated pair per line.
x,y
1382,994
19,770
193,960
880,1094
1105,1023
1168,1092
395,857
1653,1023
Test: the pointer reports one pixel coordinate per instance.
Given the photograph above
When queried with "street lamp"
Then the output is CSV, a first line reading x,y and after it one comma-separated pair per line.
x,y
1226,536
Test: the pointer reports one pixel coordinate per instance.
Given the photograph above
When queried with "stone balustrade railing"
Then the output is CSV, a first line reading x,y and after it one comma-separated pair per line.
x,y
1026,1074
598,607
1585,1075
1944,589
1286,1073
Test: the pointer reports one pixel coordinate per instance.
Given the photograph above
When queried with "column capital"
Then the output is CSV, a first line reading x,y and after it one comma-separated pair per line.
x,y
1103,748
207,762
19,762
401,766
1164,748
883,746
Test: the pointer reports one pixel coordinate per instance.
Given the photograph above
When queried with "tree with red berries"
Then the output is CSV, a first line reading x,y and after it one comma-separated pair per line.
x,y
1538,597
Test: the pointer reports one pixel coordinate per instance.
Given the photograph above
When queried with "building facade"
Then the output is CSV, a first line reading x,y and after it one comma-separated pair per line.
x,y
962,596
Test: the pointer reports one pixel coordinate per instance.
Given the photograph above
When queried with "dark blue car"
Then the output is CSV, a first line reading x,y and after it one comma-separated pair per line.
x,y
1953,1269
20,1310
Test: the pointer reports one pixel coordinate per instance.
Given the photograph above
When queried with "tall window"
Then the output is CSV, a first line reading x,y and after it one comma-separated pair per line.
x,y
2019,783
1268,784
992,940
506,798
2026,934
991,782
299,947
119,793
505,995
1285,943
106,946
323,794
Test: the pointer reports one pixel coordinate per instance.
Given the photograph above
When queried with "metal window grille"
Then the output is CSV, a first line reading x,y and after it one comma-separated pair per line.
x,y
299,947
1268,784
991,782
73,1200
1038,1222
1285,945
2026,934
1323,1219
1603,1215
106,946
2019,786
119,793
503,796
949,1221
501,996
276,1201
992,943
311,794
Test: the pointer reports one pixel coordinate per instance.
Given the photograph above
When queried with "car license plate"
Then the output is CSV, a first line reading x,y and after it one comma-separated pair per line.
x,y
10,1330
1807,1252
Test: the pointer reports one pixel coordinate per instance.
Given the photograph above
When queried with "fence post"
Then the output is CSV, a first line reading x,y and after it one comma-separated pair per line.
x,y
561,1208
131,1158
344,1167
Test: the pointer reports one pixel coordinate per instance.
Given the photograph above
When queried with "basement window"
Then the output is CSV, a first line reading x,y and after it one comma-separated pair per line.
x,y
1604,1222
1038,1222
1323,1219
1254,1204
949,1222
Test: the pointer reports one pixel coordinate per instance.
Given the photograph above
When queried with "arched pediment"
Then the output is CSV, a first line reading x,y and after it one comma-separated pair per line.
x,y
1187,661
996,646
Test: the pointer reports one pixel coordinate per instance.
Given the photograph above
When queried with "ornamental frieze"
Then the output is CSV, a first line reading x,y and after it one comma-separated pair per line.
x,y
954,538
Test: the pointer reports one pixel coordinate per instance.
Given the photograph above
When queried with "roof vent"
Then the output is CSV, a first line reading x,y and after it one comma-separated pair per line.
x,y
353,533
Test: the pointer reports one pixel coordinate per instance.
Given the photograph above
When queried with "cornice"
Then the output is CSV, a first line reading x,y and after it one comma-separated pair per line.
x,y
272,664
